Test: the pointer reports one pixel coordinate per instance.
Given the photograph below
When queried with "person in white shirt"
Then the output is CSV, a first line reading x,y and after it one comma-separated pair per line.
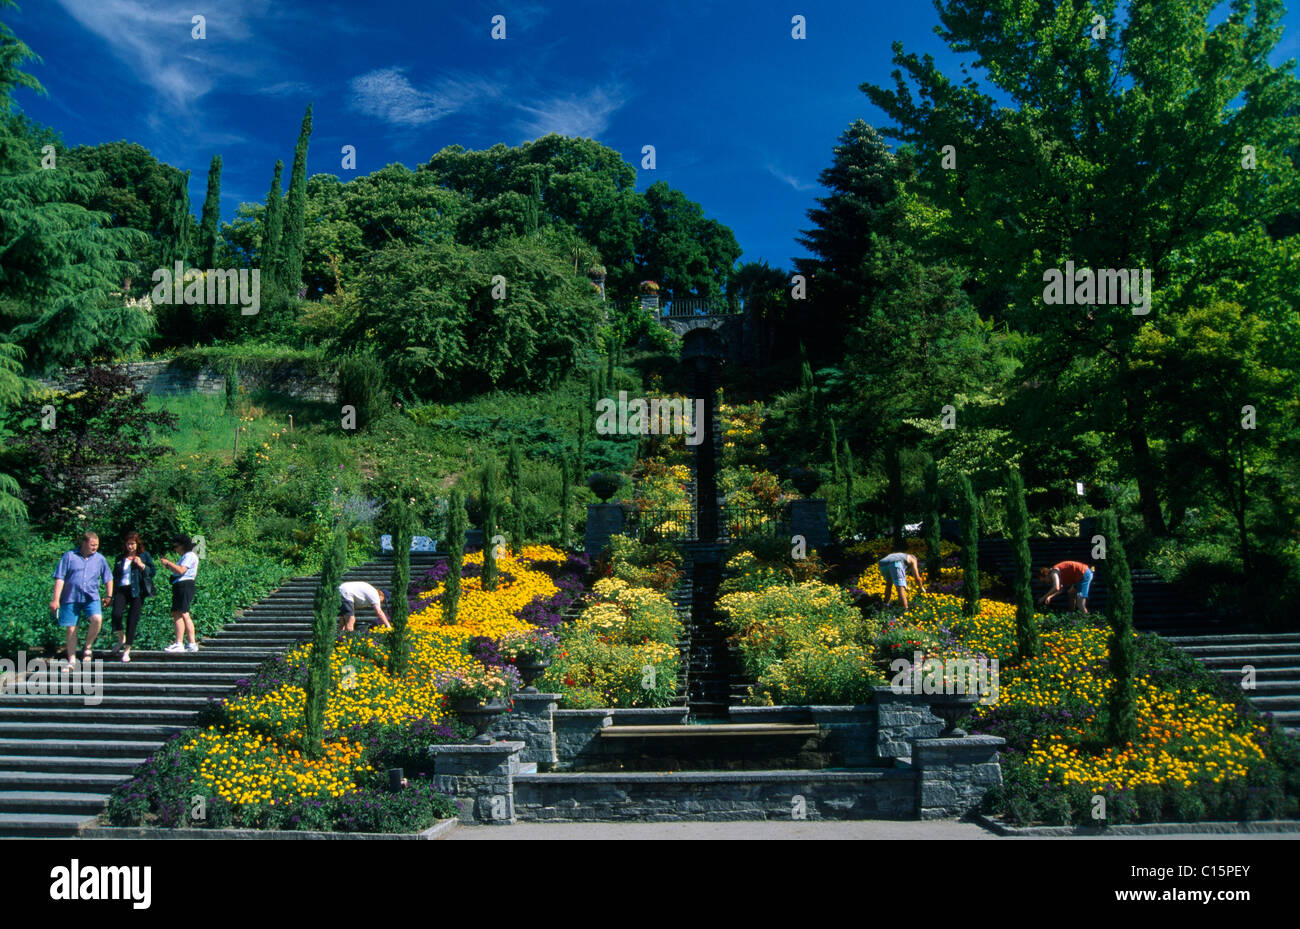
x,y
352,593
183,592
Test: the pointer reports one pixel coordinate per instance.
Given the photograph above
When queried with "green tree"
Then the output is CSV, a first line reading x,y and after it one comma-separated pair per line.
x,y
456,523
1027,644
178,230
324,630
933,504
295,216
968,513
515,477
273,228
566,501
1122,152
399,654
1122,721
688,254
208,226
491,504
850,503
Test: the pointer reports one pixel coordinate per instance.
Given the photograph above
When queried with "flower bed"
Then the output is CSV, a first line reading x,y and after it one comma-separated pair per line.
x,y
248,763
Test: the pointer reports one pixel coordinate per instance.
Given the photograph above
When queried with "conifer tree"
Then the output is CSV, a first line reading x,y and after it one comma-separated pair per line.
x,y
1018,518
835,455
456,523
489,502
970,523
933,538
295,217
515,476
324,630
208,235
850,505
273,228
1122,721
176,230
566,499
399,651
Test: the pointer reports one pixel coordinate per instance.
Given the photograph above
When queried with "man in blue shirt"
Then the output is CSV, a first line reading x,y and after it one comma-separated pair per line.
x,y
76,593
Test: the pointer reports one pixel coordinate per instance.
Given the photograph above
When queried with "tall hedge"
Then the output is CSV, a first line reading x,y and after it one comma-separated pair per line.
x,y
894,470
566,501
1018,519
399,654
850,505
490,510
933,558
515,476
456,523
970,527
325,606
1122,725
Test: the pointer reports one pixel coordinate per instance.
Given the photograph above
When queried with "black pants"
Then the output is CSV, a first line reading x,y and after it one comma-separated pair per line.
x,y
123,602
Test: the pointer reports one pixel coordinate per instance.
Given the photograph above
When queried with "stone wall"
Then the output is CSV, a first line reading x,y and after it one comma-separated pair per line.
x,y
161,378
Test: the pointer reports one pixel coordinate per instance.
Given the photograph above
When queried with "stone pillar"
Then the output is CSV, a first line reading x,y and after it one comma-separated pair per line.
x,y
530,722
480,778
604,520
808,519
901,719
952,775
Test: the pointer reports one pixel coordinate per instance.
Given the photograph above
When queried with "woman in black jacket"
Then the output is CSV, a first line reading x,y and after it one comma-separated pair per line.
x,y
132,582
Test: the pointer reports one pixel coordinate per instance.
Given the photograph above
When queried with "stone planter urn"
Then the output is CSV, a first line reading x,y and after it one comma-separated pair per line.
x,y
480,715
531,666
950,708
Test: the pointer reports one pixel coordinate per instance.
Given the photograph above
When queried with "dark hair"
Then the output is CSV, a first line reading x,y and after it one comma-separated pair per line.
x,y
133,536
183,541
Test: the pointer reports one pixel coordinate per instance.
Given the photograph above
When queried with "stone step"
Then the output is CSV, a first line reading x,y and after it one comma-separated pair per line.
x,y
731,730
41,825
97,715
1235,639
1273,703
59,781
51,801
113,701
1283,717
1245,648
69,764
1278,675
156,678
1256,661
107,732
50,747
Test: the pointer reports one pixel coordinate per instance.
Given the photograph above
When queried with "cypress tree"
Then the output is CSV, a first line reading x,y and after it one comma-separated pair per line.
x,y
208,234
295,216
583,425
609,369
970,523
399,651
933,558
1122,724
850,505
273,227
456,523
176,237
566,499
489,499
324,630
1018,518
835,455
894,470
515,476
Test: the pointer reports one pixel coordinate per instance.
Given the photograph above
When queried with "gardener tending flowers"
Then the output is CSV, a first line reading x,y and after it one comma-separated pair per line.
x,y
353,592
895,567
1073,574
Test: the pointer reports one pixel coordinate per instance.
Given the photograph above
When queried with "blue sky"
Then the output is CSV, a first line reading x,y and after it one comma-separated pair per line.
x,y
742,116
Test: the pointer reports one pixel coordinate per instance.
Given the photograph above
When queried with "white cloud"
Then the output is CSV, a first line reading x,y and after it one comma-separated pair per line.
x,y
790,179
153,37
388,95
585,116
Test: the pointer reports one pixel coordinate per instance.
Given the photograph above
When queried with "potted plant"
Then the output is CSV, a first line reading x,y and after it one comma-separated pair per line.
x,y
530,652
480,695
806,480
604,485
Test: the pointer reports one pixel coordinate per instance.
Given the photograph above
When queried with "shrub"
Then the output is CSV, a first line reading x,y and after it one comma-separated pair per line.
x,y
361,385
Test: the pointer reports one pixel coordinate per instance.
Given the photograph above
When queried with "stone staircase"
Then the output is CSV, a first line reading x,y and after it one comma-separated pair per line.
x,y
1275,659
60,757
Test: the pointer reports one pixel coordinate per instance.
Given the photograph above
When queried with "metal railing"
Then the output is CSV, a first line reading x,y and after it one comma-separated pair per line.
x,y
682,524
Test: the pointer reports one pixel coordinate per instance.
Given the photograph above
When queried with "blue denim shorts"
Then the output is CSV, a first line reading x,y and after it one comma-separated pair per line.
x,y
895,572
69,612
1085,585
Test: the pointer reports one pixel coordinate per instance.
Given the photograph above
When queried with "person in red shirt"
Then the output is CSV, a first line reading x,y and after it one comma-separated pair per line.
x,y
1072,574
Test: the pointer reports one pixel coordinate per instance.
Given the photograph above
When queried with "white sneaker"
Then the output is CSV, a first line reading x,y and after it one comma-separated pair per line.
x,y
175,647
192,647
